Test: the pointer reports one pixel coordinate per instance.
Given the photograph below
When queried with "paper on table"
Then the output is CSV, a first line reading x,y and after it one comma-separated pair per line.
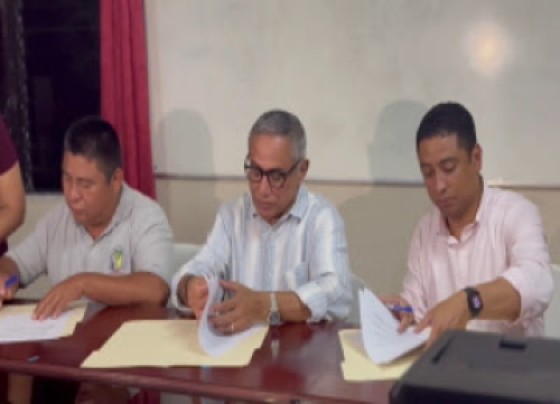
x,y
380,335
357,366
16,323
213,342
166,343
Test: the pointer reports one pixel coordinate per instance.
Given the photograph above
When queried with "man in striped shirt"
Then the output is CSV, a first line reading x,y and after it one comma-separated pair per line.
x,y
280,250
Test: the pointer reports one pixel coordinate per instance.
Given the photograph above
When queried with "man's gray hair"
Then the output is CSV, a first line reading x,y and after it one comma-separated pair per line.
x,y
282,123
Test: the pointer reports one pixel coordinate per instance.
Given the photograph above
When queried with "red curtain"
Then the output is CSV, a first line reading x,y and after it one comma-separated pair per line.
x,y
124,87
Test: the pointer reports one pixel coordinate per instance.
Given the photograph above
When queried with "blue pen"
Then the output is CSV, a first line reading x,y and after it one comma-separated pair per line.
x,y
12,280
400,309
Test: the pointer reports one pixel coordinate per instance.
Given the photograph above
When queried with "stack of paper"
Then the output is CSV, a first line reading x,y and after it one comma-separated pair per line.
x,y
17,324
380,335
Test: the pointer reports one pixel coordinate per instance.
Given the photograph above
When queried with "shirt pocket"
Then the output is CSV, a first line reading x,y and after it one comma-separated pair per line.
x,y
297,276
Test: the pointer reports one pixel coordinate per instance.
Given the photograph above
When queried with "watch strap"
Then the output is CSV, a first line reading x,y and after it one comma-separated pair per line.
x,y
274,313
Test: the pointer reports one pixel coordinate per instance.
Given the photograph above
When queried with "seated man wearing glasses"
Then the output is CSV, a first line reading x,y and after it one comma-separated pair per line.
x,y
280,251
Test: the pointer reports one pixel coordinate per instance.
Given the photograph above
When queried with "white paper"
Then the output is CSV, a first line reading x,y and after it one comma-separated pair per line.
x,y
213,342
380,335
22,327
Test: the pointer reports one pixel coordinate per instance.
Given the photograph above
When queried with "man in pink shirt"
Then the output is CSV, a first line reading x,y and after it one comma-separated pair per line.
x,y
479,259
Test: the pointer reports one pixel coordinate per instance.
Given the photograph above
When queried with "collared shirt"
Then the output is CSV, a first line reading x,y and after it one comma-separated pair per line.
x,y
506,240
304,252
137,239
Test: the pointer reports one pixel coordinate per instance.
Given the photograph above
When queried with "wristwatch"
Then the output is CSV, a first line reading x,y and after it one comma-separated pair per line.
x,y
474,300
274,317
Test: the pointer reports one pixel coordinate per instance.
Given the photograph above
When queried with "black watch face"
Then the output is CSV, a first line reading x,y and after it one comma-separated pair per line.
x,y
476,302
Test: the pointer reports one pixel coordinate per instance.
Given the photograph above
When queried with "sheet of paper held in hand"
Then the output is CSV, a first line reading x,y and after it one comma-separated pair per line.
x,y
16,323
177,342
380,335
377,351
213,342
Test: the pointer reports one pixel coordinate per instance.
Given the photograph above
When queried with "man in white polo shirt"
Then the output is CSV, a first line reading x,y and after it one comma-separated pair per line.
x,y
479,259
106,241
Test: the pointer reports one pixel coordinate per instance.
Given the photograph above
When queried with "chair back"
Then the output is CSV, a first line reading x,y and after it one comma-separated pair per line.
x,y
182,253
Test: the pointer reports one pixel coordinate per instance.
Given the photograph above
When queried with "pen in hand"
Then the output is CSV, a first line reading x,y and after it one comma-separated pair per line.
x,y
12,280
399,308
5,292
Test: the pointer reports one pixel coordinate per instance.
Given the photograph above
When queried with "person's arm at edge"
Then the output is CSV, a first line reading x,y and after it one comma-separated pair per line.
x,y
12,201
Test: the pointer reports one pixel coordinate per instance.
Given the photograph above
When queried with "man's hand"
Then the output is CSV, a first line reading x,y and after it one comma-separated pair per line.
x,y
450,313
7,293
58,298
194,293
405,318
241,311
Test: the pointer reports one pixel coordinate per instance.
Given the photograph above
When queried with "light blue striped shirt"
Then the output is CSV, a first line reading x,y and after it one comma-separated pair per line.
x,y
304,252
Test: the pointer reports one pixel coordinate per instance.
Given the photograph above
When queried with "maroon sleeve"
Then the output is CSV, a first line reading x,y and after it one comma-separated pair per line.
x,y
8,156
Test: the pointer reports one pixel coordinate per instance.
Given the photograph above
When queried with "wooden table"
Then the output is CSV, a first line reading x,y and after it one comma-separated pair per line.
x,y
297,362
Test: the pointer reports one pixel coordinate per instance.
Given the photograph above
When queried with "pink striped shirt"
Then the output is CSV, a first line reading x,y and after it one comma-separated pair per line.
x,y
506,239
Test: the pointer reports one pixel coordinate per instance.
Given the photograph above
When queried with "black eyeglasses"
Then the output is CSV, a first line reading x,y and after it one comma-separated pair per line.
x,y
276,177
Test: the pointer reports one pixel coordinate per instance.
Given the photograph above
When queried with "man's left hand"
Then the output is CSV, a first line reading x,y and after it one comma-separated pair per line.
x,y
447,314
245,308
59,297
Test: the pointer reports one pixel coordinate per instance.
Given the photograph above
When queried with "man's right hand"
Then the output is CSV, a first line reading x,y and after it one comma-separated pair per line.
x,y
194,293
7,293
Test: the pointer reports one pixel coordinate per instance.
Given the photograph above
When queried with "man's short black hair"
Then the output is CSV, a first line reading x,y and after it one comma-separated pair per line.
x,y
97,140
448,118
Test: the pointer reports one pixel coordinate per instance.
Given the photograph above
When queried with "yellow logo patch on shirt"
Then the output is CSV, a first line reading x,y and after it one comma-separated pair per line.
x,y
117,260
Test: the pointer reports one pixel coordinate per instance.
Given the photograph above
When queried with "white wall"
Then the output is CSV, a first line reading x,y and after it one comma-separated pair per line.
x,y
360,74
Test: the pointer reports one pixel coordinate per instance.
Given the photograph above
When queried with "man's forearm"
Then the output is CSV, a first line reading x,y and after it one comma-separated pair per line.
x,y
139,287
501,300
291,307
